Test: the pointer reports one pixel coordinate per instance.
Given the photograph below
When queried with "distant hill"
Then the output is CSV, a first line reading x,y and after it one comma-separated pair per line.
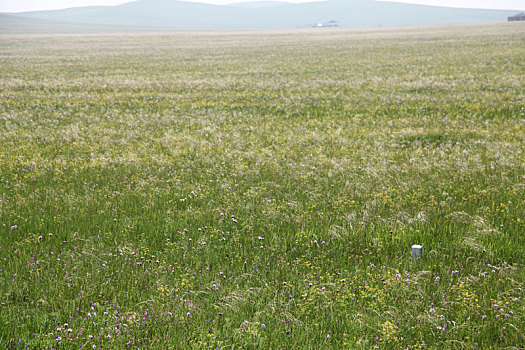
x,y
14,24
348,13
258,4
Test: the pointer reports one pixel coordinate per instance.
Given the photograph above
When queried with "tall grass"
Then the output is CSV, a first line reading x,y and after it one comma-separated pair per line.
x,y
263,190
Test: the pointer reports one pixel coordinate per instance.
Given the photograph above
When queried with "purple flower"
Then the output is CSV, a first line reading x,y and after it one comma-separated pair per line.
x,y
263,325
13,227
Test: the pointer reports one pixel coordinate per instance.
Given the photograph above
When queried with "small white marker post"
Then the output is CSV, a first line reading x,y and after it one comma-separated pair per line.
x,y
417,252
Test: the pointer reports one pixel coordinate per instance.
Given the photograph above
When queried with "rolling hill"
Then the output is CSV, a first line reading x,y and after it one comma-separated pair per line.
x,y
14,25
348,13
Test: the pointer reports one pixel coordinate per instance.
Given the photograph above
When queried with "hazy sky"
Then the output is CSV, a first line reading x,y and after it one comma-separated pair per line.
x,y
35,5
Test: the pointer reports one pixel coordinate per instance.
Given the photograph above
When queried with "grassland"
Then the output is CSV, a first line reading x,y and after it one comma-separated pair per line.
x,y
263,190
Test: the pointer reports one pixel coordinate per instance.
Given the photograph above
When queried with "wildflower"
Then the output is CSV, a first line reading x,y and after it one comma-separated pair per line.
x,y
263,325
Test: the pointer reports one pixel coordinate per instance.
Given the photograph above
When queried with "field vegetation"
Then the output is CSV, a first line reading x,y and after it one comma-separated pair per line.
x,y
263,190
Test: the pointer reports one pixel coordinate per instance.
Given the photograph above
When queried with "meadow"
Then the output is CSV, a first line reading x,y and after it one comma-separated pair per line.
x,y
262,190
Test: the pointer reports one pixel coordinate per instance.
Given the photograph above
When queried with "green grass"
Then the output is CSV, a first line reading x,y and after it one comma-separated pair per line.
x,y
262,190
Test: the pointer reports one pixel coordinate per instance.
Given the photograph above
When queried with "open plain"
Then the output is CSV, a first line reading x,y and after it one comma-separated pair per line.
x,y
262,190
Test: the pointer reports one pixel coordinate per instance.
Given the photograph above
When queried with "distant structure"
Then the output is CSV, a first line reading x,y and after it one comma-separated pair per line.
x,y
327,24
518,17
